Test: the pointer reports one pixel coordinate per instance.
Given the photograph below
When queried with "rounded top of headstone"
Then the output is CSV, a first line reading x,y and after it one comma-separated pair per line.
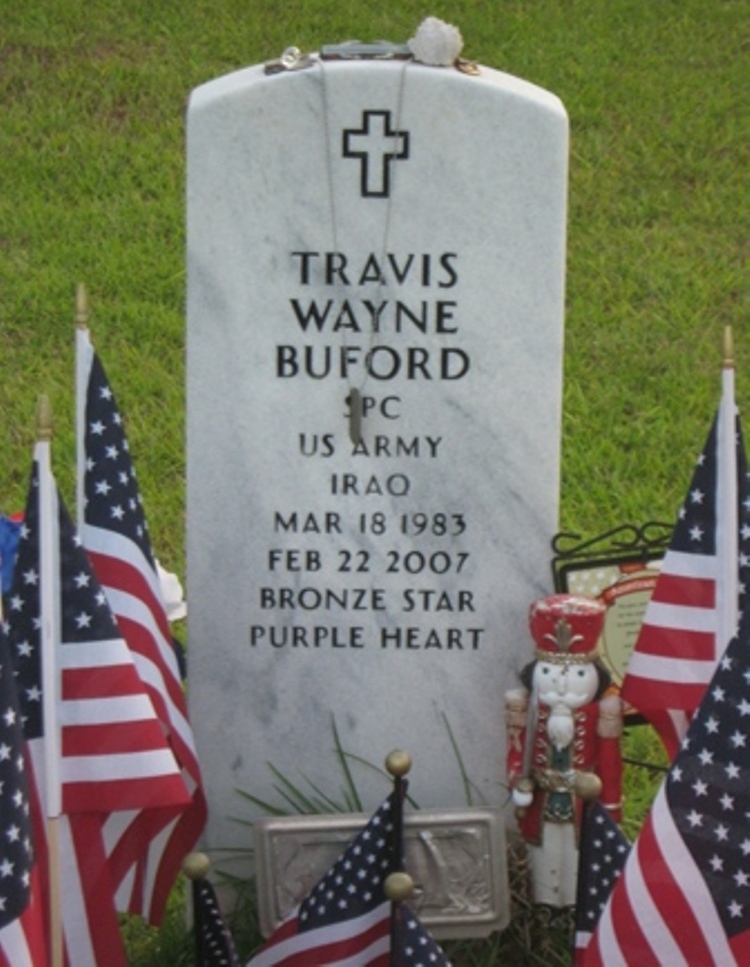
x,y
196,865
398,886
398,763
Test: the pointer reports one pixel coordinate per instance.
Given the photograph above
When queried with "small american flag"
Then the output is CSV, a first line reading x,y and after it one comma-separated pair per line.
x,y
214,942
603,851
87,921
413,944
346,919
684,894
695,605
114,755
146,848
22,927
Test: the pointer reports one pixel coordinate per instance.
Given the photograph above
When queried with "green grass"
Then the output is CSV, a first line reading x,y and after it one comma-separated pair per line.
x,y
92,169
92,183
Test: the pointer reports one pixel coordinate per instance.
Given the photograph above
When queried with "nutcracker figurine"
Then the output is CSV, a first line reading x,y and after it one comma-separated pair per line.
x,y
563,741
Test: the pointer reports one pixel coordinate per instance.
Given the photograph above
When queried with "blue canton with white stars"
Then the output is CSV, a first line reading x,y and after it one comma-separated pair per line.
x,y
708,789
113,501
23,614
84,613
695,530
414,946
604,849
354,884
16,852
217,946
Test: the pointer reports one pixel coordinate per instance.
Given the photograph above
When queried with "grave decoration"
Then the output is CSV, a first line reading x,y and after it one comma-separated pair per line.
x,y
563,741
375,287
620,568
457,858
213,941
684,886
693,612
356,913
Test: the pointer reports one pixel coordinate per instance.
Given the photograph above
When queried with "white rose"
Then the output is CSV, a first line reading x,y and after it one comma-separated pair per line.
x,y
436,43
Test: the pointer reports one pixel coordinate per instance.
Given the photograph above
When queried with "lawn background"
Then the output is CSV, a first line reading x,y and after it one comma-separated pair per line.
x,y
92,189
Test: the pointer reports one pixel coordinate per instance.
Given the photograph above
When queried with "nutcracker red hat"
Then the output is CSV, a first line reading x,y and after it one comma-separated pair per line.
x,y
566,628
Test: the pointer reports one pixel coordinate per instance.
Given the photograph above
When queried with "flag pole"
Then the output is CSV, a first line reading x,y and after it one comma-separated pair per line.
x,y
727,529
49,574
398,764
83,361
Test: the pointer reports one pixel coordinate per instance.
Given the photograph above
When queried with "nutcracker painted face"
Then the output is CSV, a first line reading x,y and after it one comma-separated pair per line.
x,y
572,685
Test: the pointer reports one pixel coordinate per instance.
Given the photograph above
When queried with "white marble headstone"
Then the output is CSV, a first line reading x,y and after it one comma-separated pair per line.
x,y
396,230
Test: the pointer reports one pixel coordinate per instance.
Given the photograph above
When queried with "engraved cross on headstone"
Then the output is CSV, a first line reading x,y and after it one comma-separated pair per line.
x,y
379,146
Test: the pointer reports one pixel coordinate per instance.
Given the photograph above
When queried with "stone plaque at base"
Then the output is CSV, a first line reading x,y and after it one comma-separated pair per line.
x,y
456,858
376,256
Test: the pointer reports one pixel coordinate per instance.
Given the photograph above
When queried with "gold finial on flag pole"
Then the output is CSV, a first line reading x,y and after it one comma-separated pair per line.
x,y
43,418
398,763
398,887
195,866
728,348
82,306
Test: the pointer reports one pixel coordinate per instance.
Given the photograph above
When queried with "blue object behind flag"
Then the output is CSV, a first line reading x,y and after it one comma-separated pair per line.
x,y
10,532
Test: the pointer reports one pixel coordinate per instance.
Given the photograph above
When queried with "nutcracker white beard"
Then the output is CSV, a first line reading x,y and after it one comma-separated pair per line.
x,y
560,726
